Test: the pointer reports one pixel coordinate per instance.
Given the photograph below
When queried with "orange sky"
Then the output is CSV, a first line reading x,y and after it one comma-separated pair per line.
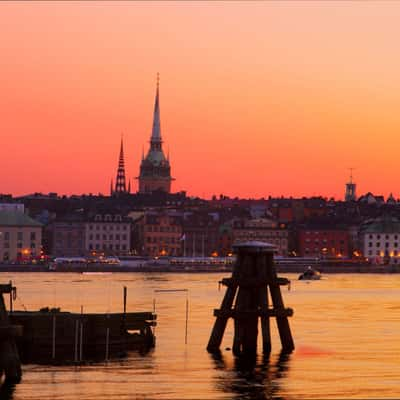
x,y
257,99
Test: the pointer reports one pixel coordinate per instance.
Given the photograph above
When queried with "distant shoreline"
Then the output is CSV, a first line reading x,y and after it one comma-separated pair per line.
x,y
325,269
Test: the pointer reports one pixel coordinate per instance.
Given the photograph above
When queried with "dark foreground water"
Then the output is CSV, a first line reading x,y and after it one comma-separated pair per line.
x,y
346,330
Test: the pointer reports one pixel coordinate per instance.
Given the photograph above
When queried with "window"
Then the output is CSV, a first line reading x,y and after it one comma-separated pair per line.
x,y
90,227
395,237
117,247
118,218
387,237
107,217
33,245
124,227
20,236
6,245
104,236
123,237
124,247
378,244
395,244
370,236
378,253
19,245
386,244
90,237
370,253
33,235
370,244
97,217
378,236
97,246
6,235
111,237
117,236
97,236
90,246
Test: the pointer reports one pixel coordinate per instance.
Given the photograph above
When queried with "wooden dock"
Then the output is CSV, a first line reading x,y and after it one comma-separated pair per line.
x,y
55,337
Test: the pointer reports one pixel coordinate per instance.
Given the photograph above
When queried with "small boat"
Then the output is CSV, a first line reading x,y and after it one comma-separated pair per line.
x,y
310,274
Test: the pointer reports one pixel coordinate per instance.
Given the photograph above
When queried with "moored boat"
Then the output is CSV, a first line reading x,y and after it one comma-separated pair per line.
x,y
310,274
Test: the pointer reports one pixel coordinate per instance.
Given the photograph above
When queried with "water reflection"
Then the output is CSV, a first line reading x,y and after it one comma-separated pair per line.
x,y
251,378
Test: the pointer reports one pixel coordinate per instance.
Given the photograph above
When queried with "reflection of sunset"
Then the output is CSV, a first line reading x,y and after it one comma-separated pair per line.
x,y
256,99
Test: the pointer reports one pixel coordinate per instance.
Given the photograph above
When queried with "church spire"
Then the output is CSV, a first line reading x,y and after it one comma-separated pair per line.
x,y
120,184
156,131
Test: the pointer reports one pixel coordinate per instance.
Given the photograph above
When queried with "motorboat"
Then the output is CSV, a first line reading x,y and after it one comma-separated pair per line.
x,y
310,274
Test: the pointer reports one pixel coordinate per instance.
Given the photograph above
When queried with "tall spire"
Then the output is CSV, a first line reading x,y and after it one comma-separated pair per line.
x,y
156,132
120,184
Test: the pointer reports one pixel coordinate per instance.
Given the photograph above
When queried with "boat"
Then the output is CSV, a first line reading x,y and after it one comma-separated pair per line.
x,y
310,274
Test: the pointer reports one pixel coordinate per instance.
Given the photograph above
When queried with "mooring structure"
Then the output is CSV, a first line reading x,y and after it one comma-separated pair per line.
x,y
10,364
246,301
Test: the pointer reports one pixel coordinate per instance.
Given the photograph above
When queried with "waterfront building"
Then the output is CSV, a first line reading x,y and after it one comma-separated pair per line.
x,y
20,236
201,233
323,241
68,236
161,233
155,169
381,240
108,233
120,183
262,230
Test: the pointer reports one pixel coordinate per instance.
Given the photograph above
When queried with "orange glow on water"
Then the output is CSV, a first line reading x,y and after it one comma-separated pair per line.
x,y
257,99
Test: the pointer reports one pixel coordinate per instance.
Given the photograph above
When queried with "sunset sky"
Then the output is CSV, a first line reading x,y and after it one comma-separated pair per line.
x,y
257,98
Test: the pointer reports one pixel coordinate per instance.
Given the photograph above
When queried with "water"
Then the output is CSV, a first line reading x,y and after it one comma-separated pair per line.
x,y
345,327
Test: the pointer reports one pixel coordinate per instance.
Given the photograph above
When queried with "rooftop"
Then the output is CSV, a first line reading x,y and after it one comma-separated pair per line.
x,y
14,218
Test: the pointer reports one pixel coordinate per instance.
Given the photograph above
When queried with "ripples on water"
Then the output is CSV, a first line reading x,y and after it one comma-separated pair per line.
x,y
345,329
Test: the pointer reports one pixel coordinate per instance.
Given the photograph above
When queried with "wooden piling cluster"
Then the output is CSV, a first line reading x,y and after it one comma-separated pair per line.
x,y
253,276
10,364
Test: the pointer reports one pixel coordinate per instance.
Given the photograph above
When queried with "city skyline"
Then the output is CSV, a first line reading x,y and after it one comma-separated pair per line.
x,y
268,100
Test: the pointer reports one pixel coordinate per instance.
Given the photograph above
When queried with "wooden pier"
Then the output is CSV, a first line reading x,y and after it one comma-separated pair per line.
x,y
55,337
10,364
253,274
52,336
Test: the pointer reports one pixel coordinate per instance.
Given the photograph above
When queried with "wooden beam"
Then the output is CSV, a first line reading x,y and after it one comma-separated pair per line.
x,y
283,312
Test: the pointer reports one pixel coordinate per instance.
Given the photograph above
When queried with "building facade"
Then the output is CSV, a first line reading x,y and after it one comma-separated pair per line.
x,y
20,237
324,242
161,233
108,234
381,240
155,169
69,239
263,230
200,234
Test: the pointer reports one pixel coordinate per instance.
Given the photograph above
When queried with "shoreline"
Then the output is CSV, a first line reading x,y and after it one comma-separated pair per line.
x,y
101,268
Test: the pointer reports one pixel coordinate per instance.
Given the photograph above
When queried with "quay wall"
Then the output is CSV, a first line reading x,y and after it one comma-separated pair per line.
x,y
293,268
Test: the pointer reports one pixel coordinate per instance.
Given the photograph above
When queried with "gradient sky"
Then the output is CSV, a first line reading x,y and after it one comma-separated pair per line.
x,y
257,99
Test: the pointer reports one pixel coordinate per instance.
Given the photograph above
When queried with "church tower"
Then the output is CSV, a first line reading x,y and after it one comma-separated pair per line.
x,y
350,194
120,183
155,170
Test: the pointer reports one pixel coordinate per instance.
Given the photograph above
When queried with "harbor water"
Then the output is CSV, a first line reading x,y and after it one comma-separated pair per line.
x,y
345,326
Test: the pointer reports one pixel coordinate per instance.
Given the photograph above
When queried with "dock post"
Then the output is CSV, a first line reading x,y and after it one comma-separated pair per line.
x,y
253,274
53,347
10,363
